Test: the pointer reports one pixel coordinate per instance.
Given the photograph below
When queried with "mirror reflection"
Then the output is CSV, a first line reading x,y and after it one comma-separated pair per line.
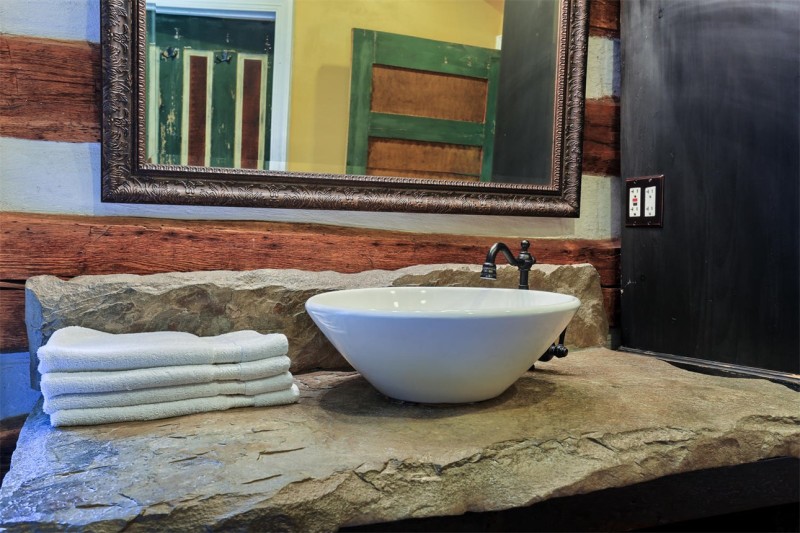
x,y
434,89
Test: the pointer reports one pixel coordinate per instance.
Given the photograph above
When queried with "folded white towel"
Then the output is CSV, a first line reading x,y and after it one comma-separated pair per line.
x,y
167,394
57,383
78,349
153,411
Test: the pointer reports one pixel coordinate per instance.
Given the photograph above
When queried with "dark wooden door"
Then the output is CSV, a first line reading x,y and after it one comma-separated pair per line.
x,y
710,99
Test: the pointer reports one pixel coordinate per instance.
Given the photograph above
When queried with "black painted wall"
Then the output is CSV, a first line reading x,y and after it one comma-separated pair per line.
x,y
711,99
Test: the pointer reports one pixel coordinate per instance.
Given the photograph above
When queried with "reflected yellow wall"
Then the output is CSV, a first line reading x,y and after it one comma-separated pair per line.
x,y
320,94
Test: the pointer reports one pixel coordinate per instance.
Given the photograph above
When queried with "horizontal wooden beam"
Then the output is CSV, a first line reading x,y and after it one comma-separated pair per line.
x,y
49,89
68,246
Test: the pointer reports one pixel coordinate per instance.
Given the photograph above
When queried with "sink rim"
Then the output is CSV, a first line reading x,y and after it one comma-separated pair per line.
x,y
326,302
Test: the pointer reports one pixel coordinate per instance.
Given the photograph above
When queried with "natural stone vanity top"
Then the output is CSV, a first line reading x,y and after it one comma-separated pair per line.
x,y
347,455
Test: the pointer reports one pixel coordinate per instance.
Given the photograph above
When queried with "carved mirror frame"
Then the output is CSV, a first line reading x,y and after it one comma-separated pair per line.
x,y
128,178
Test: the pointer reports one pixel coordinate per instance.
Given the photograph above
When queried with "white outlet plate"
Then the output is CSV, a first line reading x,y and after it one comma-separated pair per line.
x,y
635,202
650,201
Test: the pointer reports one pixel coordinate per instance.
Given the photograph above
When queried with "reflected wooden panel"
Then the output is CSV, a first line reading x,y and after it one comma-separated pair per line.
x,y
426,93
434,94
198,103
418,159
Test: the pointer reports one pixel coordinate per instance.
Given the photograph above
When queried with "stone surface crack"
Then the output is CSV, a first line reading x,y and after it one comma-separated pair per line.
x,y
601,443
274,452
92,505
261,479
190,458
129,498
82,471
363,477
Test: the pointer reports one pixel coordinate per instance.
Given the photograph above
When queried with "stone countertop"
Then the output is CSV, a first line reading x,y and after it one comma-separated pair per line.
x,y
346,455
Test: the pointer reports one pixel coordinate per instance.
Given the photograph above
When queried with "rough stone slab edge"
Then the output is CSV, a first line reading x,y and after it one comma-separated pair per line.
x,y
408,488
97,301
392,491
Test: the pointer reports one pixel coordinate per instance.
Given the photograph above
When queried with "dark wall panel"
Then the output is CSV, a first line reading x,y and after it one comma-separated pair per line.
x,y
711,100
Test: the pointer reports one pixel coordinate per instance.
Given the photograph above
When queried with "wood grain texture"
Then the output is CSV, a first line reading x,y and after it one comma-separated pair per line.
x,y
604,18
415,158
198,106
68,246
601,153
13,337
435,95
49,89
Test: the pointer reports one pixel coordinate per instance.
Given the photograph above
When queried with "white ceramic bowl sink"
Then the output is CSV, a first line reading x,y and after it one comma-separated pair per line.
x,y
441,344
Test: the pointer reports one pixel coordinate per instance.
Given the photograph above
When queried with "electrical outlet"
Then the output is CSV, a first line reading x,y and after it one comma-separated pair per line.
x,y
650,201
645,201
634,202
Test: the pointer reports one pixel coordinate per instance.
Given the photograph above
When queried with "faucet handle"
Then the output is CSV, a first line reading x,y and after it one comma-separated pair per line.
x,y
525,257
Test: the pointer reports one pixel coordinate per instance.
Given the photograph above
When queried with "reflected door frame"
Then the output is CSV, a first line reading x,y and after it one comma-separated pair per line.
x,y
283,13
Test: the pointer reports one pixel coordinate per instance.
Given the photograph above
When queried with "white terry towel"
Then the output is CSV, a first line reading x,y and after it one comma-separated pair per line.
x,y
77,349
57,383
167,394
153,411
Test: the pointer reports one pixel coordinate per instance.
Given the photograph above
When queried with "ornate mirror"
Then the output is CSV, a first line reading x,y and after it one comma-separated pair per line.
x,y
468,106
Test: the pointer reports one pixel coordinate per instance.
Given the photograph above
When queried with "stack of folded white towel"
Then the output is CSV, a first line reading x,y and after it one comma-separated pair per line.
x,y
91,377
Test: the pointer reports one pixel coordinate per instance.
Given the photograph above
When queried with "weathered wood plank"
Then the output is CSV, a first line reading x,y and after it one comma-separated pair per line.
x,y
426,129
13,337
424,54
360,91
68,246
604,18
601,153
32,244
49,89
435,95
399,157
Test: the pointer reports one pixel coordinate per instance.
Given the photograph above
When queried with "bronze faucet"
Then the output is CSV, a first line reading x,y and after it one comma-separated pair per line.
x,y
524,261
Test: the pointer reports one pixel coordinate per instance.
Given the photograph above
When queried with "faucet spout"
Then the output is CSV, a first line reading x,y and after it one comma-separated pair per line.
x,y
524,261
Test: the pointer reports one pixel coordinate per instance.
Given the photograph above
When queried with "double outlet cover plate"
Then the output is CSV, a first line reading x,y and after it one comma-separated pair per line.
x,y
644,201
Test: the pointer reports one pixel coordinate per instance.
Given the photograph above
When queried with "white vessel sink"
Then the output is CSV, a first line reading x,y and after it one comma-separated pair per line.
x,y
441,344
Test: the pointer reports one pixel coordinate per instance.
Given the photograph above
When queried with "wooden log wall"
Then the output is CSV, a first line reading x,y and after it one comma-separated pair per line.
x,y
68,246
51,90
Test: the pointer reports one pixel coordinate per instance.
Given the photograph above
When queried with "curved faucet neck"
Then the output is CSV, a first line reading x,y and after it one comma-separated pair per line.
x,y
523,262
499,247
